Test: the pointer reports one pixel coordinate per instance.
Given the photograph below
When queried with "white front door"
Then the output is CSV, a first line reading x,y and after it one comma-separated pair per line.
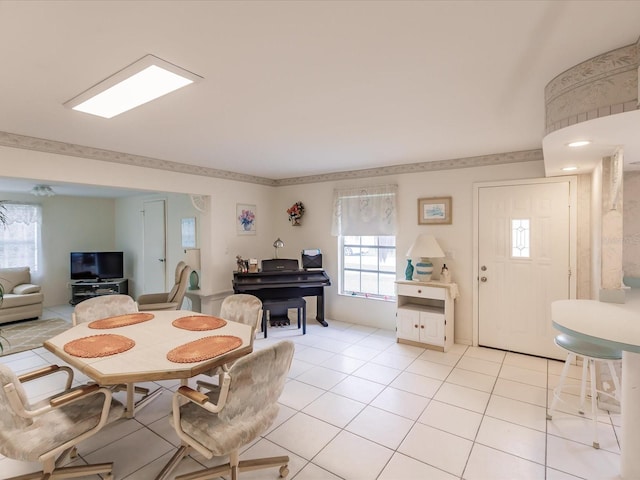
x,y
523,265
154,247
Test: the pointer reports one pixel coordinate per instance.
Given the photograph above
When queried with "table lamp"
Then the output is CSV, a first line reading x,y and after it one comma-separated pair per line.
x,y
278,244
425,247
192,258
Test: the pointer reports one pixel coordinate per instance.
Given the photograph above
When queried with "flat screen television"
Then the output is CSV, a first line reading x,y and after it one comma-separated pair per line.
x,y
97,265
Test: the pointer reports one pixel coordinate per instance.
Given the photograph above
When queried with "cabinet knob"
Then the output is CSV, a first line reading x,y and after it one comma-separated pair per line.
x,y
415,326
421,326
419,291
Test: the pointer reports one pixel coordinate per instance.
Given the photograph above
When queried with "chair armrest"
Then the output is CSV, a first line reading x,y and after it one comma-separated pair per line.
x,y
147,298
57,401
145,307
200,398
25,288
70,397
194,396
26,377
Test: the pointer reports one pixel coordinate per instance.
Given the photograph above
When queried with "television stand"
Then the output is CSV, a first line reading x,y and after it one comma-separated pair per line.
x,y
84,289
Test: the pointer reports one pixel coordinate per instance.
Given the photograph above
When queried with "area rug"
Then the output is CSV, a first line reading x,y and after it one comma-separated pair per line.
x,y
30,334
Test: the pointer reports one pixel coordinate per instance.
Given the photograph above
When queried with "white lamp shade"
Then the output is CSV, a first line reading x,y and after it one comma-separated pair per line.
x,y
192,258
425,246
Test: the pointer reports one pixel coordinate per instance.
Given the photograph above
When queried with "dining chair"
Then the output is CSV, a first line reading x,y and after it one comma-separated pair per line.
x,y
171,300
590,353
105,306
234,414
48,431
241,308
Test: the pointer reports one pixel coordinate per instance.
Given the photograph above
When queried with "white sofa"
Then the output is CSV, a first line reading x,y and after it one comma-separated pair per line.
x,y
22,299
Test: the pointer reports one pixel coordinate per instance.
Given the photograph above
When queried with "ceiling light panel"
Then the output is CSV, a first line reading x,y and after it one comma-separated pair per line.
x,y
145,80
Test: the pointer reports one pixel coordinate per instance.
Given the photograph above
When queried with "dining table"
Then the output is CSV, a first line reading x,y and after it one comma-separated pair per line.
x,y
151,346
616,325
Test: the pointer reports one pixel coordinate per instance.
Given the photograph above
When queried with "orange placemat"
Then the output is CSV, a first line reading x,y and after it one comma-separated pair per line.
x,y
204,349
121,320
199,322
99,345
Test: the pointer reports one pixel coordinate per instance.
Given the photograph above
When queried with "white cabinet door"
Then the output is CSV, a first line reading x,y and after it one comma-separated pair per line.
x,y
408,324
432,328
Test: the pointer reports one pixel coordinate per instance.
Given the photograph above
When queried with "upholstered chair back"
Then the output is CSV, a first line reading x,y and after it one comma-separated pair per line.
x,y
102,307
181,281
257,380
242,308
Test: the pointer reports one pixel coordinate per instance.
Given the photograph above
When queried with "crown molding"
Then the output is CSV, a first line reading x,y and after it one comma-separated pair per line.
x,y
60,148
451,164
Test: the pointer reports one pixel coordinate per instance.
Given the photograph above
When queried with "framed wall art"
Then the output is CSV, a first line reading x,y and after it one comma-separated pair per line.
x,y
189,232
434,211
245,219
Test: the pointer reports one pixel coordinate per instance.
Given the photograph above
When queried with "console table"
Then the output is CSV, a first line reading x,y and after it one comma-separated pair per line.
x,y
83,289
425,314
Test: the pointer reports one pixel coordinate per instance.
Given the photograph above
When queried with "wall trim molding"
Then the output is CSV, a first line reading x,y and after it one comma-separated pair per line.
x,y
60,148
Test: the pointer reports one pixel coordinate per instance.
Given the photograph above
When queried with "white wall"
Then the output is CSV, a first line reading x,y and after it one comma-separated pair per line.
x,y
220,243
457,237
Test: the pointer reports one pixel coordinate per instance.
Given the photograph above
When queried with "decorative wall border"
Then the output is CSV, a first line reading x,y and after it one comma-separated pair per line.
x,y
604,85
61,148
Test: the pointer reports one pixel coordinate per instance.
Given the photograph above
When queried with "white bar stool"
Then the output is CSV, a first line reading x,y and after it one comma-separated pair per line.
x,y
590,353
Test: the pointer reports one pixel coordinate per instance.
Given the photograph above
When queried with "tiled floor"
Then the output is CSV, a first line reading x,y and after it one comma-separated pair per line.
x,y
360,406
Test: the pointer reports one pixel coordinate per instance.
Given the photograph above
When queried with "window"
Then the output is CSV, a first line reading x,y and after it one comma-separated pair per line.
x,y
20,238
364,220
368,266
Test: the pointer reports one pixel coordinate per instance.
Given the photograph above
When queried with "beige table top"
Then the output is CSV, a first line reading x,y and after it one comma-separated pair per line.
x,y
147,360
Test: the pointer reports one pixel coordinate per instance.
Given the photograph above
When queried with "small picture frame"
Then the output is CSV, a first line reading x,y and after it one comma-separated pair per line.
x,y
189,232
434,211
245,219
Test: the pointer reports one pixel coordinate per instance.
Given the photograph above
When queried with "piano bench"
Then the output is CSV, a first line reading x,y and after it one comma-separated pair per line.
x,y
280,308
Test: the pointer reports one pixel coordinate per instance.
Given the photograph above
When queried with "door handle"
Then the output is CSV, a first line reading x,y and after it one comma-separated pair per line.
x,y
161,259
483,268
483,279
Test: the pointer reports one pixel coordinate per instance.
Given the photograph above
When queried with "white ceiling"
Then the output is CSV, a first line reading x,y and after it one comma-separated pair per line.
x,y
300,88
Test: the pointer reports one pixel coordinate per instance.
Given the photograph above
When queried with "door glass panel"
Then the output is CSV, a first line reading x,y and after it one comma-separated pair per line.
x,y
520,238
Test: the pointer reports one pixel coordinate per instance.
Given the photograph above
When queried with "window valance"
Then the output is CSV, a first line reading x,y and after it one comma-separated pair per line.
x,y
365,211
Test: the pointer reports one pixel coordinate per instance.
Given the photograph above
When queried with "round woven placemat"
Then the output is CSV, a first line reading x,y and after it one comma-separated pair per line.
x,y
199,322
121,320
204,349
98,345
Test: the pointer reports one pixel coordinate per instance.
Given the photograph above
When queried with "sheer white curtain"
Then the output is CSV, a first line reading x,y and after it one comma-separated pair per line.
x,y
20,238
365,211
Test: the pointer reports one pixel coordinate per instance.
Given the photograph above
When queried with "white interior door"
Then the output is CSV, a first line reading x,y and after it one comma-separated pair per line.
x,y
524,265
155,246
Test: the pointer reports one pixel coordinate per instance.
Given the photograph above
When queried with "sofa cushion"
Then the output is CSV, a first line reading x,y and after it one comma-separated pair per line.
x,y
26,288
11,300
10,277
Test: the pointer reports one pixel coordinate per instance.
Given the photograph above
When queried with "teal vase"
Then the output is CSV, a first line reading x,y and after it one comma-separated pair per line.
x,y
408,272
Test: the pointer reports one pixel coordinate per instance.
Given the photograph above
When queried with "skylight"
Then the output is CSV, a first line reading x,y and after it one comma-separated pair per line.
x,y
145,80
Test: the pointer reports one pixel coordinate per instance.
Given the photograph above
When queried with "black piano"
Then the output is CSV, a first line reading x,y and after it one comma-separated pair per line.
x,y
281,279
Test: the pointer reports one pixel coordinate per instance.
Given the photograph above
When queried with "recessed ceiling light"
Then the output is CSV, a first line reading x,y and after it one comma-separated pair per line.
x,y
569,169
579,143
139,83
